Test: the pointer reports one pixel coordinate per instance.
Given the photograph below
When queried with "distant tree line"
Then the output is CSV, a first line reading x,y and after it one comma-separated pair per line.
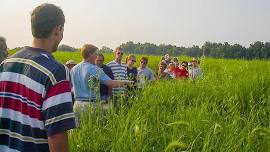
x,y
67,48
256,50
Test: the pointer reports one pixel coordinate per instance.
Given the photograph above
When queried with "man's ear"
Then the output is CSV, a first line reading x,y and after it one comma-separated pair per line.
x,y
58,30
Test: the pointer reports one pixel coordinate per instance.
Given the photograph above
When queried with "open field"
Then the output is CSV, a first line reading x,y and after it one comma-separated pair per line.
x,y
228,110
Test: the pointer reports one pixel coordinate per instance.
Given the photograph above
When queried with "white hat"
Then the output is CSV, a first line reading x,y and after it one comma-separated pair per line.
x,y
71,62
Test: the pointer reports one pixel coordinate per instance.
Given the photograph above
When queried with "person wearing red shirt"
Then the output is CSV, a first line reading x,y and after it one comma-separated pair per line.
x,y
181,72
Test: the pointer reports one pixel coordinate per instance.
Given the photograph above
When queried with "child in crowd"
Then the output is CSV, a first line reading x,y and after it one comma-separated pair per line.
x,y
176,62
161,71
183,71
195,71
132,71
171,67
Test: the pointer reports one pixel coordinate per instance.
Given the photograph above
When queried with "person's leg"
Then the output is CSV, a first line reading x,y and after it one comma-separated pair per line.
x,y
79,109
115,102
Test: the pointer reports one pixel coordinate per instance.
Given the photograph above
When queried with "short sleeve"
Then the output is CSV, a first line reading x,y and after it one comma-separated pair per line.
x,y
57,107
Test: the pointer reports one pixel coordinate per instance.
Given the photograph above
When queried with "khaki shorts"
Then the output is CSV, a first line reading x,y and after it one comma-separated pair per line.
x,y
80,107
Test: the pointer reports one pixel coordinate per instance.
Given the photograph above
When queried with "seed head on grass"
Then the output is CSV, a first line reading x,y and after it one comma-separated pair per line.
x,y
176,145
136,129
178,123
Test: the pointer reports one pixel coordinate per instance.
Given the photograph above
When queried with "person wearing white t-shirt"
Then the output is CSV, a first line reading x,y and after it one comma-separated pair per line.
x,y
144,73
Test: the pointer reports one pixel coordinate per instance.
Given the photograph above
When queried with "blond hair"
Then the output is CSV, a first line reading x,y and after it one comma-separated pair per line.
x,y
129,57
117,49
87,50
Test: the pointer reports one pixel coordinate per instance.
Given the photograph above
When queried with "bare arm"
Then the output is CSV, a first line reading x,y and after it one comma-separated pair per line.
x,y
117,83
58,142
110,91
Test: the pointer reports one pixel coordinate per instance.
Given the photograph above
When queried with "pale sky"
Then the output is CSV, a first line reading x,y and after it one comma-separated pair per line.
x,y
113,22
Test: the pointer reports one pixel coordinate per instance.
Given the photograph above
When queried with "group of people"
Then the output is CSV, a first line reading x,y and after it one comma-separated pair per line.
x,y
93,81
170,69
118,70
36,102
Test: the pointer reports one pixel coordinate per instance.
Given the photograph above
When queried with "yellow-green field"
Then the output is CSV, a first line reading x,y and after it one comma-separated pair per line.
x,y
227,110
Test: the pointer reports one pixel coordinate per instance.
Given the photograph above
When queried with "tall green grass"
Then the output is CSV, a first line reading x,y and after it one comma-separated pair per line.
x,y
227,110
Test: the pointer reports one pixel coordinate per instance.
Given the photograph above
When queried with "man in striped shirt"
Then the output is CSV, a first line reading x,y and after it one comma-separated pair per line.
x,y
119,71
35,91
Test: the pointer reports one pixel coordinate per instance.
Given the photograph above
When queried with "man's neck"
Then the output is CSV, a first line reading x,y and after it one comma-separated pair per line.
x,y
89,61
101,66
42,44
130,66
118,61
143,67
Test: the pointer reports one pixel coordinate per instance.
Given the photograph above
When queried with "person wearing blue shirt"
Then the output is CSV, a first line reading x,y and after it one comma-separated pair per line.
x,y
86,77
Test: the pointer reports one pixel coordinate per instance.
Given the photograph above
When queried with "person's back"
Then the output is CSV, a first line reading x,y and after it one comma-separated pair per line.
x,y
30,82
35,99
81,75
86,78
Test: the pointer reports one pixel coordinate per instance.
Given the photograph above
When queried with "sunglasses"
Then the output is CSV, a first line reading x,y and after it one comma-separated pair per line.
x,y
143,62
120,53
134,61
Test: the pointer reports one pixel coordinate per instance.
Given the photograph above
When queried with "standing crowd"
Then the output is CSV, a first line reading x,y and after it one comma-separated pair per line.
x,y
171,69
41,99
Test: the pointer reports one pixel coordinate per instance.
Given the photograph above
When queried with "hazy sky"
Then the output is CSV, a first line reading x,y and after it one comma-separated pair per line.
x,y
112,22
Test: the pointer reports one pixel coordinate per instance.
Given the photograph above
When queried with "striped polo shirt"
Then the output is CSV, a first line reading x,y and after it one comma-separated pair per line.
x,y
35,100
119,73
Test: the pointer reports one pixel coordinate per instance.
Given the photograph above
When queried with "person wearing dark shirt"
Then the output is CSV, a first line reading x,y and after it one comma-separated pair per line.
x,y
105,92
131,71
35,100
3,49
